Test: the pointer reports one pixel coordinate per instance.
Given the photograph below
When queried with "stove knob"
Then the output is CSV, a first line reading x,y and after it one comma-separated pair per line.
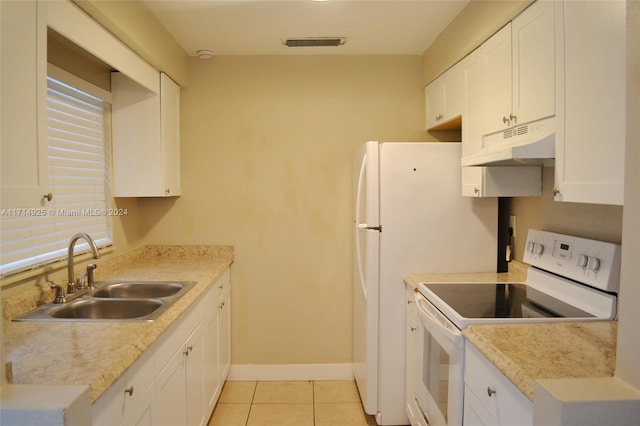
x,y
530,247
593,264
538,248
582,260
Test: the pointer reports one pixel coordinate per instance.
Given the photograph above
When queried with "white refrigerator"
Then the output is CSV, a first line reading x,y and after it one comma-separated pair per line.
x,y
410,217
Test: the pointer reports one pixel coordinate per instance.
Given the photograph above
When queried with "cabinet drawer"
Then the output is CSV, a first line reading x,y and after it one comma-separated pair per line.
x,y
127,394
486,386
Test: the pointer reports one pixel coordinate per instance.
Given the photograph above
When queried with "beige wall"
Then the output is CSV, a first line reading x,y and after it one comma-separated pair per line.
x,y
600,222
267,144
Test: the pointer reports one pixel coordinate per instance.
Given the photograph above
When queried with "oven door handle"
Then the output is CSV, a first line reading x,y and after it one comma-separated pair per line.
x,y
454,336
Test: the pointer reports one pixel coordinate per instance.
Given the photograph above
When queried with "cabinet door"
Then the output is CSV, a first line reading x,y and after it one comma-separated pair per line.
x,y
141,414
410,364
474,102
23,104
137,157
434,103
589,165
453,92
170,121
170,404
224,337
146,138
194,353
444,99
496,56
533,63
212,382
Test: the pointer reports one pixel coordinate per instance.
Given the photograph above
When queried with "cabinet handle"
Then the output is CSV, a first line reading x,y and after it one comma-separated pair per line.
x,y
221,287
129,390
506,121
513,118
48,196
413,329
556,191
438,117
490,391
189,349
220,306
409,302
476,190
167,191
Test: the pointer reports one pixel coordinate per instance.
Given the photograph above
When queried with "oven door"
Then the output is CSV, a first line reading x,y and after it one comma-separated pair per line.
x,y
440,357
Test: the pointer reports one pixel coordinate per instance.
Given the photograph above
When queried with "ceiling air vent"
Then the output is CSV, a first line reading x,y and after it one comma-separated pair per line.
x,y
314,41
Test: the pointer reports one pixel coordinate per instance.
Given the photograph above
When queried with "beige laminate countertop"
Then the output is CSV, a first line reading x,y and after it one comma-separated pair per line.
x,y
517,273
98,353
528,352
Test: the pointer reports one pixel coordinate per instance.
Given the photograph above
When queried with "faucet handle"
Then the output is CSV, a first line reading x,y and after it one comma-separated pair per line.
x,y
60,297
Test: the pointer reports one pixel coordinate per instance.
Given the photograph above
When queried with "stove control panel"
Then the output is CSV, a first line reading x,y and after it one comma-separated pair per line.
x,y
592,262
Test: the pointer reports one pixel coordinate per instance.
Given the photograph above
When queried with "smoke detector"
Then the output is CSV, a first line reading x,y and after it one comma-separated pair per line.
x,y
314,41
204,54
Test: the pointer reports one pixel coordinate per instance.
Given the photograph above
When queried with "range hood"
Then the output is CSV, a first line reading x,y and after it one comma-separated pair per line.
x,y
529,144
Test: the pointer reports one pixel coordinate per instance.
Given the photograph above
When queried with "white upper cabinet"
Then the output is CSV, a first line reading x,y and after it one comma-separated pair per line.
x,y
444,100
519,70
146,138
23,105
502,181
533,61
589,166
497,74
474,102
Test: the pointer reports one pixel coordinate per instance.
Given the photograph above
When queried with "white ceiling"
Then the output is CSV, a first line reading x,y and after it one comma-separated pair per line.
x,y
257,27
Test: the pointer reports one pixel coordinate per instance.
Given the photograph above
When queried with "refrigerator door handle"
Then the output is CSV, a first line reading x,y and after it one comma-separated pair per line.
x,y
369,228
360,271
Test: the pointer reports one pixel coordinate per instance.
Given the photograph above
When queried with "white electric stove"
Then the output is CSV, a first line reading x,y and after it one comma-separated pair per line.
x,y
569,279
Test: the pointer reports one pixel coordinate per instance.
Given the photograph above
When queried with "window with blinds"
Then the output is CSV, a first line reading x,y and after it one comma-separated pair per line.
x,y
79,165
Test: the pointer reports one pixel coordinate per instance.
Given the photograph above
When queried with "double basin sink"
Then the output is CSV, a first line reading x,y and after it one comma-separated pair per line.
x,y
115,301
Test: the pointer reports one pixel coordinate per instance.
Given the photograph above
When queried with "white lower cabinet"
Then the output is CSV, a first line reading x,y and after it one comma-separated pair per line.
x,y
490,399
224,333
178,380
128,396
169,407
194,352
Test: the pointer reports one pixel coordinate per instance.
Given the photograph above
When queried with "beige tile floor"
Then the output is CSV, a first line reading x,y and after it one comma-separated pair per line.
x,y
303,403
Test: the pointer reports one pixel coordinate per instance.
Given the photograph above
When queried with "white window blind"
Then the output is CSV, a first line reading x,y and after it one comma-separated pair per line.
x,y
79,165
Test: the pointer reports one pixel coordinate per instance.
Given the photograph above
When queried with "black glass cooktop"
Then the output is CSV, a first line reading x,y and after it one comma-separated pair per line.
x,y
502,300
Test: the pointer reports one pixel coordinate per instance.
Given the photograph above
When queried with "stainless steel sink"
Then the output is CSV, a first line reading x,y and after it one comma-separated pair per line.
x,y
105,309
115,301
137,289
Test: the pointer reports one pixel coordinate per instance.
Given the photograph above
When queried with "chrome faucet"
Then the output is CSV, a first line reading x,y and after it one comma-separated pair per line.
x,y
71,283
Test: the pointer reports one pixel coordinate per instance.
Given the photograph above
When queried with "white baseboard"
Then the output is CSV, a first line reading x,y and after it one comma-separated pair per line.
x,y
273,372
